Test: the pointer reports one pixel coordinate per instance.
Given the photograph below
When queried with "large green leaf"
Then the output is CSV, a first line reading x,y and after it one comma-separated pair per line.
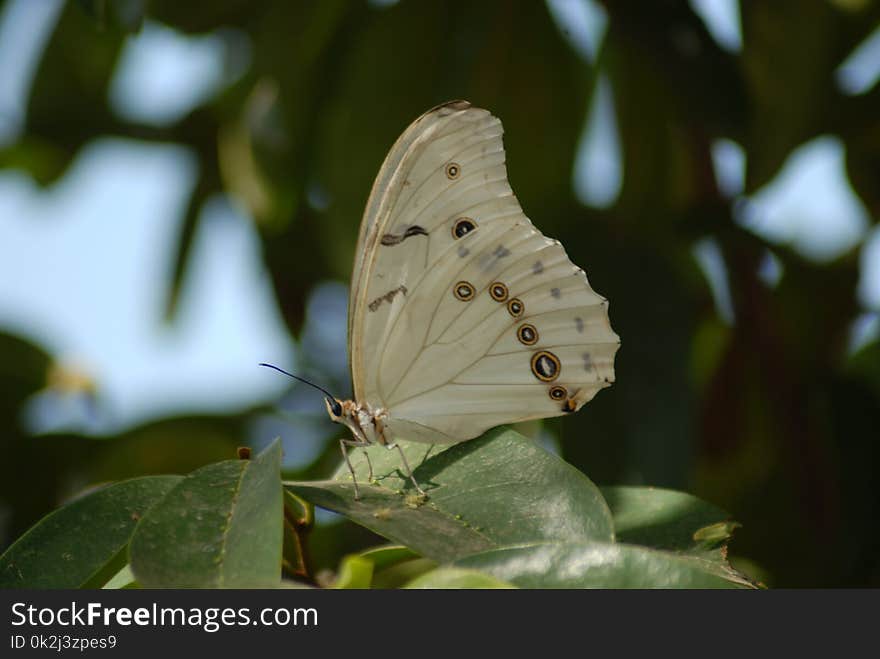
x,y
595,565
430,531
219,527
83,543
499,489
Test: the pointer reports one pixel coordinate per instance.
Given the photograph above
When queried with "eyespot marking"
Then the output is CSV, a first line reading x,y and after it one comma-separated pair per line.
x,y
546,366
463,251
558,393
498,291
453,171
579,324
462,227
515,307
556,293
463,291
500,252
537,267
527,334
588,362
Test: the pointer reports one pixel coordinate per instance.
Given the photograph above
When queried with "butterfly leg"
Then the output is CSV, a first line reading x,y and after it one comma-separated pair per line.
x,y
342,444
408,470
369,466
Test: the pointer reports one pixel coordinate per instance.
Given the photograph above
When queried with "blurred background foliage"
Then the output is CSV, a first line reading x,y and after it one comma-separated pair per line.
x,y
181,186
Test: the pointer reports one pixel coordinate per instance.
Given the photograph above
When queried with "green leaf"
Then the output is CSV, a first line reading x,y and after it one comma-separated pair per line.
x,y
396,565
499,489
83,543
398,575
122,579
499,477
221,526
664,519
355,572
456,577
388,555
674,521
429,531
595,565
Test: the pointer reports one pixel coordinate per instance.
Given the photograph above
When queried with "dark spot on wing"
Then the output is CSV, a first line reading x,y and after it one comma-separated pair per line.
x,y
588,362
388,297
391,239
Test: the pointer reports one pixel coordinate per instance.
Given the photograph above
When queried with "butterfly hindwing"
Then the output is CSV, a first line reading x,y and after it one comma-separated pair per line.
x,y
464,316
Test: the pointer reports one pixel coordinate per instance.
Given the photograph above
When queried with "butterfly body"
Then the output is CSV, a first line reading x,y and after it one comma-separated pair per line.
x,y
462,315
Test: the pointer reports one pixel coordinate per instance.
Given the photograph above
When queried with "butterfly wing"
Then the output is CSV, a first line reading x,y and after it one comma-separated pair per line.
x,y
464,316
389,178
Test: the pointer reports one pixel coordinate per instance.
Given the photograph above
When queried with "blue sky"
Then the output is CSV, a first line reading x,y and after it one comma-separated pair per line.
x,y
84,264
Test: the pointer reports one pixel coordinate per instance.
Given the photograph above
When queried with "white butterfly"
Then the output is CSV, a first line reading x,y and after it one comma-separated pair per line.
x,y
462,315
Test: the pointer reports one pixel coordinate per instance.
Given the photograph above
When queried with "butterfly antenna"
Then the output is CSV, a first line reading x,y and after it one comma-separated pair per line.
x,y
303,380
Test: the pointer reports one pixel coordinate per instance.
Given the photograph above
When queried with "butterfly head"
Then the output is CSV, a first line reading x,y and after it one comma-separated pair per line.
x,y
334,409
365,423
345,412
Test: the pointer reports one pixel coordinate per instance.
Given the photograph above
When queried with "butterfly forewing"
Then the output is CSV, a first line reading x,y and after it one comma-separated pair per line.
x,y
388,180
464,316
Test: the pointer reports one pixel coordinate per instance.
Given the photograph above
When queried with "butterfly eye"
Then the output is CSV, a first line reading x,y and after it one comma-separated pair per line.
x,y
335,407
515,307
463,290
545,366
527,334
452,170
462,227
558,393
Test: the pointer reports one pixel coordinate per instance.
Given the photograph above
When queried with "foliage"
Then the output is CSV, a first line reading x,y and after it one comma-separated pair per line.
x,y
769,415
500,512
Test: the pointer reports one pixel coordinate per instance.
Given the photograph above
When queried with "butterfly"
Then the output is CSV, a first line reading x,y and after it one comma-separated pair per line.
x,y
462,315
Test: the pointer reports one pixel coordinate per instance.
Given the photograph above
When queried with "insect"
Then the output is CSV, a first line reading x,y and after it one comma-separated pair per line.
x,y
462,315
